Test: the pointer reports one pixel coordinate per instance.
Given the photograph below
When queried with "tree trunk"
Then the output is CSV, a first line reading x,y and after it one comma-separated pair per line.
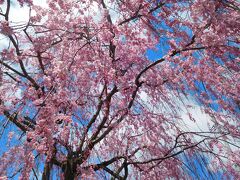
x,y
69,170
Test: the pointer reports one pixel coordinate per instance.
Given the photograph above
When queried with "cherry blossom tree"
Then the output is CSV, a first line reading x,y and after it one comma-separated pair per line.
x,y
85,102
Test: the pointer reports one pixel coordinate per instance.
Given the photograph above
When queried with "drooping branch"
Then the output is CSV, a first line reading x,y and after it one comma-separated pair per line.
x,y
89,147
105,118
15,44
13,119
137,15
7,10
12,69
93,119
169,154
115,175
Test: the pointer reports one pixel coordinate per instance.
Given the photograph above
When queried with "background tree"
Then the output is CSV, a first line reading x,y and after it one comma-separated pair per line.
x,y
88,103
